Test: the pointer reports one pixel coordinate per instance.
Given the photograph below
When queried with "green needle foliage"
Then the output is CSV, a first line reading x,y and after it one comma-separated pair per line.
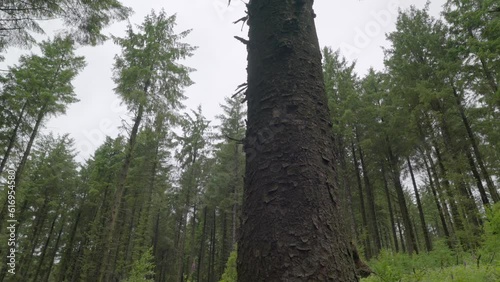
x,y
84,20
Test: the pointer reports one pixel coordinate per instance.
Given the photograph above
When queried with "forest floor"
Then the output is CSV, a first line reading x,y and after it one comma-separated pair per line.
x,y
440,265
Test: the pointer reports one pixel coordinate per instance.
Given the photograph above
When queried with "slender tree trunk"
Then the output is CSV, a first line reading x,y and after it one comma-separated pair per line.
x,y
425,231
54,253
76,269
411,242
477,177
27,151
401,236
120,189
370,197
202,245
45,247
37,226
146,216
391,213
291,226
349,209
98,229
414,226
457,221
22,164
128,243
12,138
192,253
236,195
184,220
442,199
156,233
489,77
116,274
466,199
211,271
471,210
183,227
479,158
366,241
436,201
486,70
69,248
225,248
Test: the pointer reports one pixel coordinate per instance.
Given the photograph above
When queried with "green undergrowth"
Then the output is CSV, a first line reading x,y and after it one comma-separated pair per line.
x,y
230,274
436,266
444,264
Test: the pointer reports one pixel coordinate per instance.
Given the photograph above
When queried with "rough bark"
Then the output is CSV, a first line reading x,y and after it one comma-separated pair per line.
x,y
291,228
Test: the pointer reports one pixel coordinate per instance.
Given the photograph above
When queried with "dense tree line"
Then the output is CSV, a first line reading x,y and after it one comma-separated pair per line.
x,y
413,162
417,143
161,201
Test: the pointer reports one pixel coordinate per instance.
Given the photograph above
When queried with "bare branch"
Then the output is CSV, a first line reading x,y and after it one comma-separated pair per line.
x,y
242,40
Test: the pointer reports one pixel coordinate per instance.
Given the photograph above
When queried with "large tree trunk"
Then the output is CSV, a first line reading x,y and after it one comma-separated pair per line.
x,y
291,224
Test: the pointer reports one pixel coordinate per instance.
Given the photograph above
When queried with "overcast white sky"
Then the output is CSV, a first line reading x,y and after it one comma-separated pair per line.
x,y
357,27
